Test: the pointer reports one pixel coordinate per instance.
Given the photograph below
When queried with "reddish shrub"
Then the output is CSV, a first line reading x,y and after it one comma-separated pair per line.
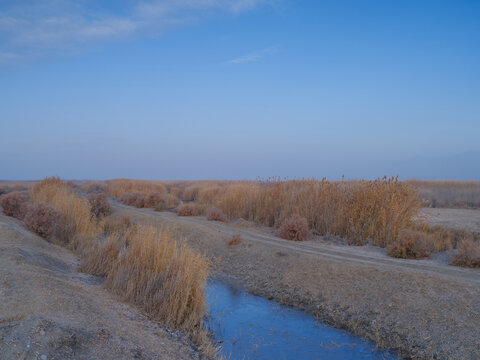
x,y
133,199
216,215
42,219
295,228
153,199
140,201
409,245
468,254
14,204
236,240
186,210
99,205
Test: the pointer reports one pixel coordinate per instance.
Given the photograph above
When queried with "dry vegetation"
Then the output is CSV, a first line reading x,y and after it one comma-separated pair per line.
x,y
381,212
448,194
360,211
410,245
216,215
295,228
14,204
143,265
468,254
235,240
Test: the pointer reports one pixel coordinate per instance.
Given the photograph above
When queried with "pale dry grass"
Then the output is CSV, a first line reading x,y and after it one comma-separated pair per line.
x,y
360,211
448,194
118,187
163,277
76,213
143,265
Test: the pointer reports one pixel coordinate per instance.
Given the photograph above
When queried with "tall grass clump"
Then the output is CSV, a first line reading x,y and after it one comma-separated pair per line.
x,y
163,277
76,218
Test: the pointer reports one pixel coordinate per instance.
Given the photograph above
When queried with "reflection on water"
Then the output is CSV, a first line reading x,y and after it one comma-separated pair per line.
x,y
251,327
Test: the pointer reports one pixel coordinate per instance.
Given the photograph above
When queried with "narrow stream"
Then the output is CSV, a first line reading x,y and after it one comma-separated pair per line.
x,y
251,327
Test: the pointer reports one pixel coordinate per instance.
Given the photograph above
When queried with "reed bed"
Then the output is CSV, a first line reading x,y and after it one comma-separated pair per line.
x,y
359,211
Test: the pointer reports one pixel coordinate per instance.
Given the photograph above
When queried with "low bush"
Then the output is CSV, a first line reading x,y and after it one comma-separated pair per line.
x,y
152,200
295,228
133,199
14,204
468,254
236,240
100,206
409,245
4,190
216,215
186,210
42,219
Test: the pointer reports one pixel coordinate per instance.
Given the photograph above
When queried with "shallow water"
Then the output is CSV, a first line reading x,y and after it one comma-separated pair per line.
x,y
251,327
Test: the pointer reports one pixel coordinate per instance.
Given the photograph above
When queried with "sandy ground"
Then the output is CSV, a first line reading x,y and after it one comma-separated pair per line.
x,y
50,311
465,219
424,309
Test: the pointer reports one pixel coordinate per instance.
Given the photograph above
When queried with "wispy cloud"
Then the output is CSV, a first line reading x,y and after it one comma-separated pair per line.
x,y
31,29
252,57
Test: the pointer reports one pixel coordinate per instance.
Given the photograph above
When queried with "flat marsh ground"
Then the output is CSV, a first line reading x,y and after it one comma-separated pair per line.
x,y
422,308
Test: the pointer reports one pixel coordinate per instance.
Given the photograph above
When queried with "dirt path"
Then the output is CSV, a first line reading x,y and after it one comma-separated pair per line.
x,y
50,311
424,309
365,254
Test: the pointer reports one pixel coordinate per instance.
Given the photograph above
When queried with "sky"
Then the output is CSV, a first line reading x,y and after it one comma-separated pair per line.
x,y
239,89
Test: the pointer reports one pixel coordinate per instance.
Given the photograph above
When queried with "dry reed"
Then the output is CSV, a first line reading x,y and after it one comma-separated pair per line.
x,y
142,264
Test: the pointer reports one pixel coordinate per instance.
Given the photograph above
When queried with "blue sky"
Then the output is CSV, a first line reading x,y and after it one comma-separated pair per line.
x,y
187,89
